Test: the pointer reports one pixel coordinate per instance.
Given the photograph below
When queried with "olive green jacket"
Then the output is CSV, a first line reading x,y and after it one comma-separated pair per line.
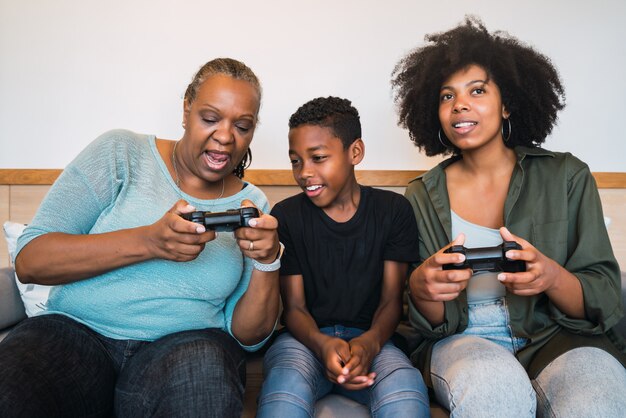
x,y
553,203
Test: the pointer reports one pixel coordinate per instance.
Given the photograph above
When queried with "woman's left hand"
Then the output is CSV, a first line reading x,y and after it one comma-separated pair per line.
x,y
260,240
542,273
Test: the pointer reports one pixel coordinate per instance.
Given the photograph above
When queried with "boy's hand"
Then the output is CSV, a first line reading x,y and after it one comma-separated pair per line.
x,y
355,374
335,354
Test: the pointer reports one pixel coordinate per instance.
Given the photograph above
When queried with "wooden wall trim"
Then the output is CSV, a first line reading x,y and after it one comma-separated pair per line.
x,y
370,177
28,176
397,178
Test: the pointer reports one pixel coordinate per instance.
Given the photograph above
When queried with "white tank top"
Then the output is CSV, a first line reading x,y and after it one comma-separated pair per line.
x,y
483,286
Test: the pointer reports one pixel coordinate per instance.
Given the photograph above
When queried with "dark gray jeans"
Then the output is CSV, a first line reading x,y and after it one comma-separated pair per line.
x,y
53,366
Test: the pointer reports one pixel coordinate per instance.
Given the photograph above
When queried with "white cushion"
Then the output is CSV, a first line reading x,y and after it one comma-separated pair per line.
x,y
34,296
337,406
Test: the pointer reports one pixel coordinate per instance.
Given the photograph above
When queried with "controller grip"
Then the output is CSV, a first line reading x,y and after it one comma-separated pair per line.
x,y
196,217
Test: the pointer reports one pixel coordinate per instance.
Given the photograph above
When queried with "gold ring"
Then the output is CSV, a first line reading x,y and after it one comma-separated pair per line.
x,y
251,247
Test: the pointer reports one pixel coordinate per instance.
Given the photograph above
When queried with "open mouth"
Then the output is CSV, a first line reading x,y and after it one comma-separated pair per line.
x,y
313,190
464,124
464,127
216,160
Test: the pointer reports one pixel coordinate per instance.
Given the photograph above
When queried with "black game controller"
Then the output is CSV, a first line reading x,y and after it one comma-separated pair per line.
x,y
223,221
487,258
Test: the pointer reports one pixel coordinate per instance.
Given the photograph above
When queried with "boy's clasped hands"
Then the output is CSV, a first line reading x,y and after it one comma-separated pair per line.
x,y
347,362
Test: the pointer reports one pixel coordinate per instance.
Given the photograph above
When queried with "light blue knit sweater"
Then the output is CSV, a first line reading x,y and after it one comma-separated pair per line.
x,y
120,181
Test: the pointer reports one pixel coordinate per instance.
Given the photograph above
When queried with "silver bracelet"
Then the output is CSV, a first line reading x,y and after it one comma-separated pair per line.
x,y
274,265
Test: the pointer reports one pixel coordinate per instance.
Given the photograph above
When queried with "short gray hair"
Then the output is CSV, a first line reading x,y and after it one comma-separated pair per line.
x,y
226,66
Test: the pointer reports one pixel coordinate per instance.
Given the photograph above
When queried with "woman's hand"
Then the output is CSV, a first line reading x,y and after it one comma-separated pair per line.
x,y
429,282
430,285
260,240
542,273
174,238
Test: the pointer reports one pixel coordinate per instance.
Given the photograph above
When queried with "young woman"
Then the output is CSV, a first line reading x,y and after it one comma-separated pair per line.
x,y
150,311
501,343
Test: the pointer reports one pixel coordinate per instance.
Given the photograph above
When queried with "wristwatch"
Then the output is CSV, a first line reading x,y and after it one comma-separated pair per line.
x,y
274,265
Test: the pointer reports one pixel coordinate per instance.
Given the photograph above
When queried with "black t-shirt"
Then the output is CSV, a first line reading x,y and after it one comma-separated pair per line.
x,y
342,263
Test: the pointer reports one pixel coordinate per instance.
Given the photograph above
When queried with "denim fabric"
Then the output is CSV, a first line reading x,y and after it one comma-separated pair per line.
x,y
476,374
584,382
295,379
54,366
490,320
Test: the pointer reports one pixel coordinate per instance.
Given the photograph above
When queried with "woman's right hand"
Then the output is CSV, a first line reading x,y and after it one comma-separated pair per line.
x,y
430,283
177,239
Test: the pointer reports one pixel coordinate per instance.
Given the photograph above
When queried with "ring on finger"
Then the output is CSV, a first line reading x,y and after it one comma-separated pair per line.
x,y
251,246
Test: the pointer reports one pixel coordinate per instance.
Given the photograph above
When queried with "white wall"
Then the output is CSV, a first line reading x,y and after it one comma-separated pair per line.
x,y
71,69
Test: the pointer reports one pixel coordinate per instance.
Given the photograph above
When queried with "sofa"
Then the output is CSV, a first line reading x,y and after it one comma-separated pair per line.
x,y
12,311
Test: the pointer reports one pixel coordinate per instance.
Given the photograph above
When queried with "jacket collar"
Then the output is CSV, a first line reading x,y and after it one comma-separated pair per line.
x,y
522,153
435,182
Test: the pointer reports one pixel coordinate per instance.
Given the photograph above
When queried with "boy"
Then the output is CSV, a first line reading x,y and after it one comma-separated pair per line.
x,y
347,252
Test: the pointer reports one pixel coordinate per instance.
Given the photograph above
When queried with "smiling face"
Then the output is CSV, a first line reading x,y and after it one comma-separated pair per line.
x,y
219,125
321,166
471,109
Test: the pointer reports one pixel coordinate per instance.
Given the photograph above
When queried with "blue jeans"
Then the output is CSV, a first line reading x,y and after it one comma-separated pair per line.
x,y
476,374
53,366
295,379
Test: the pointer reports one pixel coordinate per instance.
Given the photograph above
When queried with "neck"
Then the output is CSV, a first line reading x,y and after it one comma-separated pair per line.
x,y
346,204
491,160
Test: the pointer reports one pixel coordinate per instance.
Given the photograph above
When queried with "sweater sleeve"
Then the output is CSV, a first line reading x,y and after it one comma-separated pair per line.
x,y
82,192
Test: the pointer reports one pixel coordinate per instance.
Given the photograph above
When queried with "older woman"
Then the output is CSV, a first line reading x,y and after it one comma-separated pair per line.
x,y
150,311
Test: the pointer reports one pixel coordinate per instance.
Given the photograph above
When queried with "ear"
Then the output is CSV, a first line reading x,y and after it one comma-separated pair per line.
x,y
505,113
186,110
356,151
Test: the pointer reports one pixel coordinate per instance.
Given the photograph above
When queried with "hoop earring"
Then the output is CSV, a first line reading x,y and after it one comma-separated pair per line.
x,y
506,139
439,136
183,125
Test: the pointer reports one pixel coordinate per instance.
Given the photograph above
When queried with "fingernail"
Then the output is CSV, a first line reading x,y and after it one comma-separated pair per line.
x,y
501,277
190,208
200,229
252,222
341,379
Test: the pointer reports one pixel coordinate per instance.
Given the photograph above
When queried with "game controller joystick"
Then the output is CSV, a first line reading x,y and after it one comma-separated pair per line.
x,y
223,221
487,258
